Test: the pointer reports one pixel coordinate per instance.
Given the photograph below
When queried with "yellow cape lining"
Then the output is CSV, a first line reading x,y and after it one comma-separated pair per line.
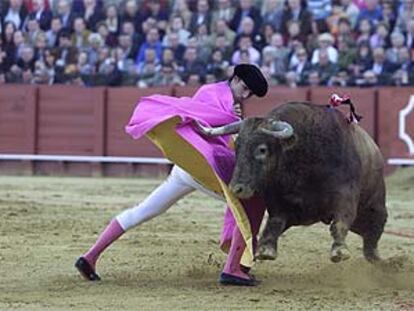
x,y
182,153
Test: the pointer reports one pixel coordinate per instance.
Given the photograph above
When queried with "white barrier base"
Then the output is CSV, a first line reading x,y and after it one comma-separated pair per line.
x,y
92,159
397,161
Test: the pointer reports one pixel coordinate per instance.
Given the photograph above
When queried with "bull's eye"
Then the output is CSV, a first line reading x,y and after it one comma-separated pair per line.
x,y
261,152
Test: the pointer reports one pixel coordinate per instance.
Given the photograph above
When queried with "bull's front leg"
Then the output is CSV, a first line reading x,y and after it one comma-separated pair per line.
x,y
267,249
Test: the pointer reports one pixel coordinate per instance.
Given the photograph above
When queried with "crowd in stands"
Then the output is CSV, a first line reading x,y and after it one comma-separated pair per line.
x,y
147,43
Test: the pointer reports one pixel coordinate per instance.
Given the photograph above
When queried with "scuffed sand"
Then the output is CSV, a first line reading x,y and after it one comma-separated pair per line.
x,y
173,262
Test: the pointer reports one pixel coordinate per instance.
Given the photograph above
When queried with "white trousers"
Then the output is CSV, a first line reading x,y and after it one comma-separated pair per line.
x,y
178,184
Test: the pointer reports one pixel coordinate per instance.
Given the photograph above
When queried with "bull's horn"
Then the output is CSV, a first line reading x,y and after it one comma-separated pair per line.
x,y
280,129
231,128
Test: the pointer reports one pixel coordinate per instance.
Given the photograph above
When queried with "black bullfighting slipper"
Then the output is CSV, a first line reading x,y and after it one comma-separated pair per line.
x,y
228,279
245,269
86,270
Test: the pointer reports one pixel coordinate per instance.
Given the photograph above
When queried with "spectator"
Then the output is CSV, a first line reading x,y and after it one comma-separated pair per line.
x,y
325,42
66,54
363,59
201,16
91,13
156,10
167,76
41,75
294,12
314,79
8,46
345,30
149,63
26,60
221,29
268,31
272,13
217,65
194,79
397,42
174,44
52,33
14,11
112,20
3,61
404,61
291,79
191,64
109,73
346,54
246,8
351,11
177,26
41,13
203,42
274,65
320,10
65,14
406,13
224,46
18,41
153,42
180,7
381,36
32,30
245,44
369,79
247,28
168,58
224,12
388,14
49,59
109,39
401,78
127,28
325,67
371,12
382,68
409,42
40,45
294,34
301,67
341,79
80,34
281,50
364,30
130,14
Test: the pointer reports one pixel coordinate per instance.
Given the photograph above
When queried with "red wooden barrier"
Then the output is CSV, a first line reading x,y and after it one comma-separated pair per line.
x,y
71,120
396,123
120,105
68,120
18,119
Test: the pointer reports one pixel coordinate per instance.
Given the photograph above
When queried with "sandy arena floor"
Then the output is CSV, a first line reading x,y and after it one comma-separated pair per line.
x,y
173,262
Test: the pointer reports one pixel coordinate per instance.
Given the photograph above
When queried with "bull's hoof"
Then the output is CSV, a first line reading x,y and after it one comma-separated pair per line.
x,y
340,253
266,253
372,256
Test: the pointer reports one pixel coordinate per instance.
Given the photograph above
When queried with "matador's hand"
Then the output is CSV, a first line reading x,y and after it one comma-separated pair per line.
x,y
238,109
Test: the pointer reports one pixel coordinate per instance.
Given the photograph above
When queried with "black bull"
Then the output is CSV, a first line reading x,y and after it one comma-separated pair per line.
x,y
310,164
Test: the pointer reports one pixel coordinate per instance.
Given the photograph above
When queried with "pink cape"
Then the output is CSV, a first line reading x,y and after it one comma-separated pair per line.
x,y
212,105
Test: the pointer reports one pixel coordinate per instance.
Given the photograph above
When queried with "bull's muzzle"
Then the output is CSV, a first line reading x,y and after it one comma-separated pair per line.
x,y
241,191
